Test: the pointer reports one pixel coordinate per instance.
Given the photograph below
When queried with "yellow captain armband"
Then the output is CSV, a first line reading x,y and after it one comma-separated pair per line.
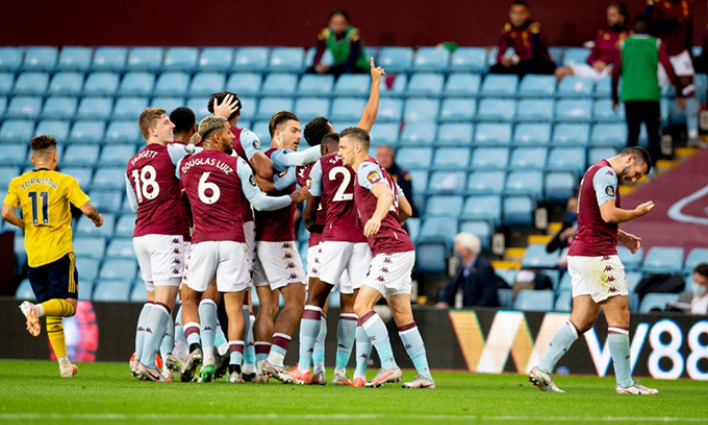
x,y
407,177
324,34
506,28
535,28
355,35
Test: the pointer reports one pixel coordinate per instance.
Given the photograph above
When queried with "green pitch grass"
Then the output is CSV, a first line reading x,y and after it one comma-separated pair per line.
x,y
31,392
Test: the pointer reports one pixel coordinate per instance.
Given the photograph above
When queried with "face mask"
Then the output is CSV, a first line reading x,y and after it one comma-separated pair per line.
x,y
571,217
699,289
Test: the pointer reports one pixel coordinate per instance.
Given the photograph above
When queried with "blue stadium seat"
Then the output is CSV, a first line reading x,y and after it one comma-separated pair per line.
x,y
117,154
253,59
567,159
56,128
532,134
603,88
101,84
609,135
490,158
42,59
244,84
663,260
181,59
496,85
560,186
326,58
173,84
491,109
138,292
538,86
482,228
7,173
385,133
217,59
315,85
118,268
430,85
123,132
414,158
16,131
307,108
536,257
66,84
112,291
396,59
525,182
24,291
13,154
602,111
576,87
270,105
419,133
129,108
655,301
447,205
451,158
633,279
431,256
564,301
566,282
390,110
535,110
89,247
571,135
505,295
356,85
125,226
458,110
485,182
483,207
110,59
397,87
93,108
88,269
169,104
528,159
11,58
145,59
85,227
469,59
31,84
87,132
462,85
530,300
431,59
261,130
438,227
447,182
24,107
121,248
137,84
413,225
695,257
3,105
279,85
518,210
556,54
83,175
493,134
249,106
574,110
62,108
347,109
575,56
81,155
595,155
454,134
421,110
287,59
630,261
7,80
107,200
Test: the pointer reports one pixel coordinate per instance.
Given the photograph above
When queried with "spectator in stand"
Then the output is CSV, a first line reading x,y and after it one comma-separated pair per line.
x,y
605,47
637,61
567,233
696,301
387,158
529,42
474,283
344,42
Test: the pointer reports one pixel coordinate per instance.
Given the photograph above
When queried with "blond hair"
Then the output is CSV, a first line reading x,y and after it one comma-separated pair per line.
x,y
147,119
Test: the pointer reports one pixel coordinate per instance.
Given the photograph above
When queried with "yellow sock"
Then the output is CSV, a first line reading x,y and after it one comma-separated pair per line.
x,y
55,330
58,308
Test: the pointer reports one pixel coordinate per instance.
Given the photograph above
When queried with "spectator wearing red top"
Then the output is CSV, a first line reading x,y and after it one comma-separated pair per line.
x,y
528,41
607,41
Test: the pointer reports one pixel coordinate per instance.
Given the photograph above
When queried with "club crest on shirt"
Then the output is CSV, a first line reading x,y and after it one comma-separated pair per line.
x,y
252,180
257,144
610,191
373,177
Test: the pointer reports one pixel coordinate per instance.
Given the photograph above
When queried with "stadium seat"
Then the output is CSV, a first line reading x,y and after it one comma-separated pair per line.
x,y
538,86
483,207
528,159
532,134
216,59
11,58
307,108
431,59
430,85
595,155
356,85
173,84
81,155
261,130
18,131
438,227
571,134
85,227
663,260
279,85
3,106
602,111
249,106
567,159
347,109
31,84
394,87
24,107
83,175
504,295
109,59
556,54
482,228
13,154
414,158
655,301
454,134
413,228
564,300
287,59
490,158
419,181
575,56
421,110
65,84
59,108
326,58
458,109
7,173
535,110
251,59
117,154
270,105
121,248
396,59
181,59
530,300
603,88
574,110
58,129
447,182
145,59
129,108
123,132
496,85
24,291
536,257
431,256
7,80
169,104
447,205
566,282
87,132
469,59
136,84
118,268
485,182
495,134
559,186
695,257
496,110
525,182
609,135
42,59
390,110
112,291
107,200
138,292
572,86
462,85
125,226
88,268
95,108
244,84
315,85
90,247
199,106
101,84
633,279
419,133
451,158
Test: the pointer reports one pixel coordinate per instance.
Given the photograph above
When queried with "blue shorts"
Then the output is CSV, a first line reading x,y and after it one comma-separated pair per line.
x,y
58,279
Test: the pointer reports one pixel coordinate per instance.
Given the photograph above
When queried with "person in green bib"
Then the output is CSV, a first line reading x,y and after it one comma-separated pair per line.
x,y
636,62
344,42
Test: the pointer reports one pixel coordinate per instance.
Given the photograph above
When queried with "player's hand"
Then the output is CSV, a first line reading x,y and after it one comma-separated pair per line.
x,y
630,241
196,139
227,107
681,103
300,194
321,68
568,233
98,222
372,227
507,61
643,209
615,105
376,72
599,65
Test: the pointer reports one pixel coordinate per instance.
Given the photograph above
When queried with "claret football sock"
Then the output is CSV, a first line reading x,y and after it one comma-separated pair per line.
x,y
318,355
140,329
376,329
262,349
154,331
410,335
278,349
55,307
560,343
208,321
55,331
618,342
191,332
310,326
363,351
236,352
346,333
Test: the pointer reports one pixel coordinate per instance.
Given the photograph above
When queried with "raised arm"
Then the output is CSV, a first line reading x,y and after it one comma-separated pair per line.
x,y
368,117
285,158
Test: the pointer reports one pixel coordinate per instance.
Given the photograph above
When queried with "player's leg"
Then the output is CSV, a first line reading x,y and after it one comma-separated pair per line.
x,y
651,115
633,115
249,351
356,274
234,310
562,72
267,309
318,355
346,334
310,327
208,322
683,68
